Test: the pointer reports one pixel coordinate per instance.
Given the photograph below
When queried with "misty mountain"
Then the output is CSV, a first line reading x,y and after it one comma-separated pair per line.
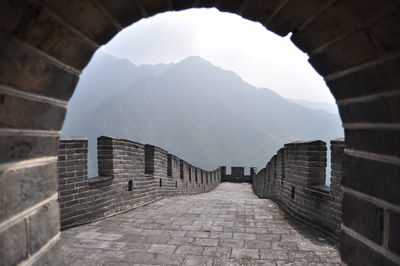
x,y
330,108
104,77
193,109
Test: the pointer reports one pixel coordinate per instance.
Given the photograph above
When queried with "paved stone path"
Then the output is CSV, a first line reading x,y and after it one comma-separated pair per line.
x,y
227,226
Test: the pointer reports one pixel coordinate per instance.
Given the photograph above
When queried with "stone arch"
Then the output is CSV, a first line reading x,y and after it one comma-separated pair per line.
x,y
354,45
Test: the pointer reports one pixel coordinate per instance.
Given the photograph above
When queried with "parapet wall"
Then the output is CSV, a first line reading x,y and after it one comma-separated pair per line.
x,y
295,179
237,174
130,174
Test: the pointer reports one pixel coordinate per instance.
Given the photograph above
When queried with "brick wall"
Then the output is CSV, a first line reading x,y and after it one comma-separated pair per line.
x,y
354,45
237,175
295,179
130,174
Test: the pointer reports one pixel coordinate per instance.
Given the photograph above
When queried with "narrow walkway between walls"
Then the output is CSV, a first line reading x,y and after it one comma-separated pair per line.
x,y
227,226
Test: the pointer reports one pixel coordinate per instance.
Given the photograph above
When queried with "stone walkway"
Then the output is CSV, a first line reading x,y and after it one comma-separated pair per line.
x,y
228,226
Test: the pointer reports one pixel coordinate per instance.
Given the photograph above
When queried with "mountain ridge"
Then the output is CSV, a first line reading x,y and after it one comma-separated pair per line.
x,y
198,111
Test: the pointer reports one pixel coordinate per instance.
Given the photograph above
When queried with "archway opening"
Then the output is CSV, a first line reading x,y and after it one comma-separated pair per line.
x,y
262,64
354,45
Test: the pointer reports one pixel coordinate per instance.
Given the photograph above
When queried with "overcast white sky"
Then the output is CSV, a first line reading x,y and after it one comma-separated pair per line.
x,y
257,55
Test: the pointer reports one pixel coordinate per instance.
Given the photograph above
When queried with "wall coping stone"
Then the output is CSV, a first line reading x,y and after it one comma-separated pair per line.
x,y
119,139
317,142
156,148
320,189
98,179
65,138
339,141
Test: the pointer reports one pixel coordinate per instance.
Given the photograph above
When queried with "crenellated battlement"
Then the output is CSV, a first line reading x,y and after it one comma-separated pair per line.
x,y
131,174
295,179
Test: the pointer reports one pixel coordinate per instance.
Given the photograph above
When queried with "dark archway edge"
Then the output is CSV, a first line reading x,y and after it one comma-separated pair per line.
x,y
353,44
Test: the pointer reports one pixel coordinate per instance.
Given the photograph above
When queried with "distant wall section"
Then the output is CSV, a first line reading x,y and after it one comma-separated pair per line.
x,y
237,174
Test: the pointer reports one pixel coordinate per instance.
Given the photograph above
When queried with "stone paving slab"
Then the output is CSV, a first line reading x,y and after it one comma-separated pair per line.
x,y
227,226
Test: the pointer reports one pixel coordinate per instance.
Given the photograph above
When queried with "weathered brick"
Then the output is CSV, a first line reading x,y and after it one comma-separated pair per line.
x,y
44,225
14,243
88,18
345,54
394,232
376,79
357,210
375,111
328,25
25,187
293,15
14,147
41,115
354,252
125,12
36,74
52,256
259,10
375,178
379,141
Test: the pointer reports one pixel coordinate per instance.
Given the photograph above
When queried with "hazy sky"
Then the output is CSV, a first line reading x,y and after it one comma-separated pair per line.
x,y
257,55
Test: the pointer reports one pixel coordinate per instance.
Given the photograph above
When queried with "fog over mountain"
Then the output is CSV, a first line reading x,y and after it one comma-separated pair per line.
x,y
330,108
193,109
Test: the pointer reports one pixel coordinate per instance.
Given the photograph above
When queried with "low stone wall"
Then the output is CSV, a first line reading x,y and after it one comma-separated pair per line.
x,y
130,174
295,179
